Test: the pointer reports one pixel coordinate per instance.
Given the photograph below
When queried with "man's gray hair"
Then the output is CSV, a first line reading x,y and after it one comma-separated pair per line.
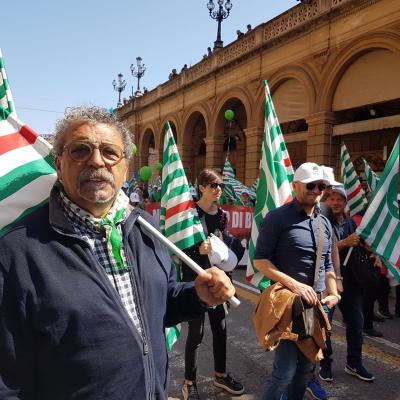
x,y
90,115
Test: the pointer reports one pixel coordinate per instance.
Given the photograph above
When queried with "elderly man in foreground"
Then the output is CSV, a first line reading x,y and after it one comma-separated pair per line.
x,y
85,293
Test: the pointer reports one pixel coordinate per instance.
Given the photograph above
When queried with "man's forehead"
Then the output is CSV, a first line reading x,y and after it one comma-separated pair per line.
x,y
92,131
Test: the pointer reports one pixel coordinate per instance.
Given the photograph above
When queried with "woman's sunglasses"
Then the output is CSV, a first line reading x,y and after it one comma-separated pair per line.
x,y
215,185
311,186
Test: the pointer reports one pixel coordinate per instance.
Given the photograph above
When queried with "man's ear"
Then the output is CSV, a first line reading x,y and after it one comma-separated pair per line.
x,y
58,167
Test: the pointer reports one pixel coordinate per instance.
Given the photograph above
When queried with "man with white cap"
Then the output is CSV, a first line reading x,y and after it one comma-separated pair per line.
x,y
286,253
351,305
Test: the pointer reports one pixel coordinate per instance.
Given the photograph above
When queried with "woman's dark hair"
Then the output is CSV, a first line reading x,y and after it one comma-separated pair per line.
x,y
206,177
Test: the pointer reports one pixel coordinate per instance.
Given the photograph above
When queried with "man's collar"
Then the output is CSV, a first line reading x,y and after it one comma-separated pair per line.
x,y
300,209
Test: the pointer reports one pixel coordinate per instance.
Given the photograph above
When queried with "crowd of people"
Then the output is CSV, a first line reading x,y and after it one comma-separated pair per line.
x,y
87,292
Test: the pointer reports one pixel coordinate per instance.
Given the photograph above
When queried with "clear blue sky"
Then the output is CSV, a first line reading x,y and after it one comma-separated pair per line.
x,y
61,53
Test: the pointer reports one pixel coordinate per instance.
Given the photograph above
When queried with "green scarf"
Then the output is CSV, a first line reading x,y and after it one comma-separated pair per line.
x,y
107,225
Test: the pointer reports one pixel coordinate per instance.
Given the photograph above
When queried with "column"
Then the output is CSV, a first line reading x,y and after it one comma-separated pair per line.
x,y
321,148
254,138
214,152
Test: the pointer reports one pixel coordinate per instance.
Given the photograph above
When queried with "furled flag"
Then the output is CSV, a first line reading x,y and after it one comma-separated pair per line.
x,y
254,186
274,183
380,226
26,165
233,187
132,185
227,175
356,199
371,176
179,221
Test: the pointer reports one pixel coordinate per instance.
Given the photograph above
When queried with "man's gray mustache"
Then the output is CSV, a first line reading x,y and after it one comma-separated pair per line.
x,y
96,174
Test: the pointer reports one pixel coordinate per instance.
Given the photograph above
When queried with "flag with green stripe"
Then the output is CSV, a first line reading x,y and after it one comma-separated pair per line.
x,y
356,199
27,170
179,221
371,177
228,174
380,226
274,183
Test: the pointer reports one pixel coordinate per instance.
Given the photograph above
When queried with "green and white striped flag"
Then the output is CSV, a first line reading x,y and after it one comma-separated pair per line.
x,y
380,226
371,176
27,171
254,186
356,199
227,176
274,183
179,221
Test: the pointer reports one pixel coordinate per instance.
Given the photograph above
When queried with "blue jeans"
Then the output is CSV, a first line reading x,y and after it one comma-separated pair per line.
x,y
291,373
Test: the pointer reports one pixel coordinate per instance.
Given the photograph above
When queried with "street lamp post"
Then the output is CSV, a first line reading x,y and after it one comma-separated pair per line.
x,y
119,86
138,72
219,15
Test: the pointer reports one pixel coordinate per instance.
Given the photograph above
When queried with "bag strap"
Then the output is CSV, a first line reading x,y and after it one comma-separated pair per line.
x,y
319,251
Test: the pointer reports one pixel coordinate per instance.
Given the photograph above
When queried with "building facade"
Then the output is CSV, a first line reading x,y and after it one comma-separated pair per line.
x,y
333,68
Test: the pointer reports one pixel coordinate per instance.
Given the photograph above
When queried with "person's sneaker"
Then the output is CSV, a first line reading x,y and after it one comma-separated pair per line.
x,y
360,372
229,384
372,332
316,390
189,391
384,314
325,374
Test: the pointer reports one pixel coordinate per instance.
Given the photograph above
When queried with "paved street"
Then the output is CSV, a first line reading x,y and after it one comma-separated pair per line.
x,y
252,366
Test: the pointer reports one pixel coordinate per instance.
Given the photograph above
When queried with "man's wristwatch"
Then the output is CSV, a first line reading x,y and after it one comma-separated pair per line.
x,y
339,278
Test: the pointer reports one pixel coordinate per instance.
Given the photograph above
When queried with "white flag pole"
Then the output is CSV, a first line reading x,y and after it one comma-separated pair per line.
x,y
347,256
177,251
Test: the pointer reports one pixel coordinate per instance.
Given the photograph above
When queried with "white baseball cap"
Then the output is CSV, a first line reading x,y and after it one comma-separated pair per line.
x,y
134,197
339,189
330,176
309,172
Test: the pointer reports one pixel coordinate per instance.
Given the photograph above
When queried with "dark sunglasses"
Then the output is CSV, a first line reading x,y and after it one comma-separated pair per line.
x,y
214,185
82,151
311,186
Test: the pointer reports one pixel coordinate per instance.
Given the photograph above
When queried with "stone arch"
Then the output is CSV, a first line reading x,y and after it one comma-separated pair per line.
x,y
304,76
187,124
147,147
232,133
238,93
335,69
175,126
193,148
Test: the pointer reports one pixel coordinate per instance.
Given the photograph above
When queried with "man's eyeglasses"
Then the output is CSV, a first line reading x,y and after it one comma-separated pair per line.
x,y
82,151
311,186
215,185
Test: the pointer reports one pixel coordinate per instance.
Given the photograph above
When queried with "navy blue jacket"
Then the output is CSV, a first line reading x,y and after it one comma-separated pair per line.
x,y
64,333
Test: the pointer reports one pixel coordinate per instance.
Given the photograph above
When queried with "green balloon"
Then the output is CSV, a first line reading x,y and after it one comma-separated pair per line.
x,y
159,166
145,173
134,149
229,115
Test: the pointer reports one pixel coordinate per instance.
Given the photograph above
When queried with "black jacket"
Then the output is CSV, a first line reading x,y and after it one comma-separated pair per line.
x,y
64,333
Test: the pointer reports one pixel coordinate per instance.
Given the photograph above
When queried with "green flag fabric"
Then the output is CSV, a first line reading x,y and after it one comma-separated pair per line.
x,y
380,226
179,221
356,199
27,171
371,176
274,183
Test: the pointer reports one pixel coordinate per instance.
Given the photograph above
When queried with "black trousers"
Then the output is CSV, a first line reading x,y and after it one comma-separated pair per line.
x,y
195,337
